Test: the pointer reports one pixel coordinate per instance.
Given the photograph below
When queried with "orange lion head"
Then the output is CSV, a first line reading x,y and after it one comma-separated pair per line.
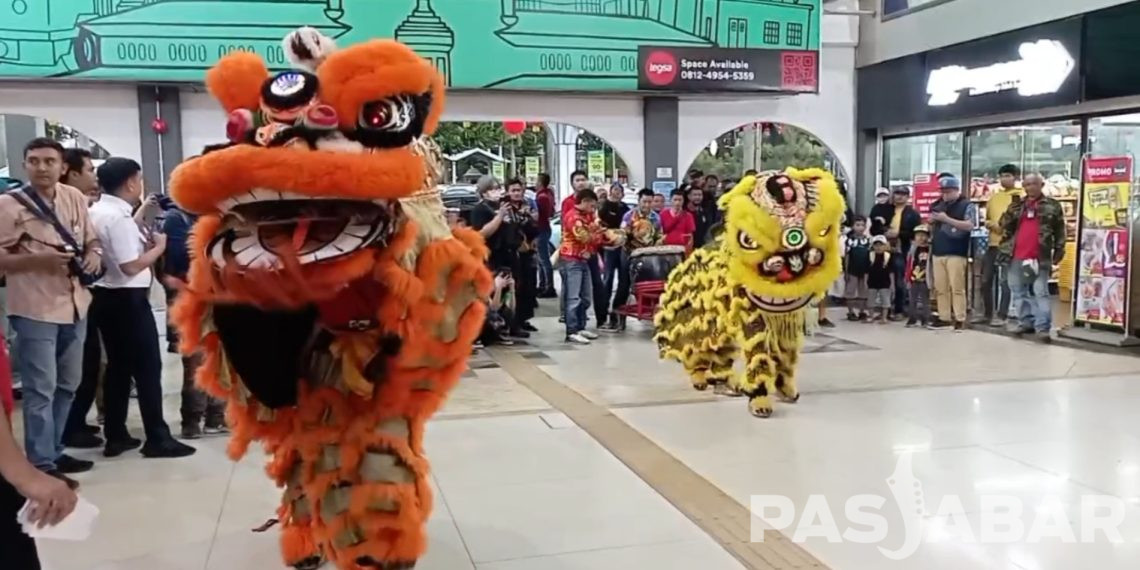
x,y
317,156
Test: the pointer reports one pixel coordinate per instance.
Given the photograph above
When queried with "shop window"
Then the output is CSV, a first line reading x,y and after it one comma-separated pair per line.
x,y
771,32
795,34
1117,135
1052,150
909,157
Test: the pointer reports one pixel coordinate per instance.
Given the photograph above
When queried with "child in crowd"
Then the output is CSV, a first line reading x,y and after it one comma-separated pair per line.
x,y
917,262
880,279
856,261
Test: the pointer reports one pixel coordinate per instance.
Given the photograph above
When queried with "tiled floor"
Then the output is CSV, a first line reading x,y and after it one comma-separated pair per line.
x,y
519,486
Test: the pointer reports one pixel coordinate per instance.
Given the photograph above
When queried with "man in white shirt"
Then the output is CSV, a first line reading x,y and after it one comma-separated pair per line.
x,y
122,313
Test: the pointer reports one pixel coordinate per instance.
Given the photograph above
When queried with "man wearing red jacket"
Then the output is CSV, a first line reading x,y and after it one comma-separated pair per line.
x,y
581,238
544,199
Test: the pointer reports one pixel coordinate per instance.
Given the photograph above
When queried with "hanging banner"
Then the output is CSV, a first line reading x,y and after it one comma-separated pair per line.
x,y
926,192
497,171
1102,273
531,170
596,166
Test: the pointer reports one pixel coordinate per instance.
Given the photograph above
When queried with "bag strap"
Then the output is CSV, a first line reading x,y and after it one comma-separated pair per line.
x,y
26,196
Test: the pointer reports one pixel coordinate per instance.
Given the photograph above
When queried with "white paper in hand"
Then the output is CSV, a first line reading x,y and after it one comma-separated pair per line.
x,y
77,525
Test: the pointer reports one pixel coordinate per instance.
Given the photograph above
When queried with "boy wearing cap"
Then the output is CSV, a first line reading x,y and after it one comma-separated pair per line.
x,y
880,279
856,263
917,274
952,218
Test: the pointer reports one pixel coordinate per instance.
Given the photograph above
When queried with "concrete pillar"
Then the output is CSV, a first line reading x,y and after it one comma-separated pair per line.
x,y
565,156
660,118
160,153
18,130
868,155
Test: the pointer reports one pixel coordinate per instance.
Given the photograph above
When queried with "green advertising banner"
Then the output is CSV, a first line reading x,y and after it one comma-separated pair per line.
x,y
580,45
532,167
596,166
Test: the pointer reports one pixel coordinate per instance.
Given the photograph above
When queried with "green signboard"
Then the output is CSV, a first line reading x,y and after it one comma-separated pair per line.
x,y
581,45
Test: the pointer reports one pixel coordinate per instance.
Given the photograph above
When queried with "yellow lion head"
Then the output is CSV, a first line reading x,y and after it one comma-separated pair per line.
x,y
782,234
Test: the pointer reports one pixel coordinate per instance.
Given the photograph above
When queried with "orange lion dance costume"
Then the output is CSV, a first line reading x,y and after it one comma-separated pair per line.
x,y
334,307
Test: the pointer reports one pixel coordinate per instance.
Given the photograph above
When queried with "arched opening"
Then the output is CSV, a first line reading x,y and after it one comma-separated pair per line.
x,y
17,130
511,149
764,146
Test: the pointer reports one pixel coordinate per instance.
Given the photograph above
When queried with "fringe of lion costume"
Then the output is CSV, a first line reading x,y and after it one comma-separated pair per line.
x,y
334,307
745,294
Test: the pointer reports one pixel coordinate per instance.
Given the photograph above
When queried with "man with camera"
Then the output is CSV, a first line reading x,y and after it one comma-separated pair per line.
x,y
123,316
49,254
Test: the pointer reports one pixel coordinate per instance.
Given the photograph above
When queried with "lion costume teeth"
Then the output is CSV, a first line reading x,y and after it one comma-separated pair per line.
x,y
744,294
334,307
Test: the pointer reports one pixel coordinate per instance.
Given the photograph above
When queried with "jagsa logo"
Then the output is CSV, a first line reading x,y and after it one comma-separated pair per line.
x,y
661,68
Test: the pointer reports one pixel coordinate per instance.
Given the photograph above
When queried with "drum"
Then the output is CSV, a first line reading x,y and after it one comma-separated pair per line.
x,y
654,263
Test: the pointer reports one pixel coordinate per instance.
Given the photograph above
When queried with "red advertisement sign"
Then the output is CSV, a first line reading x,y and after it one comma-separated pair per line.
x,y
1108,169
926,192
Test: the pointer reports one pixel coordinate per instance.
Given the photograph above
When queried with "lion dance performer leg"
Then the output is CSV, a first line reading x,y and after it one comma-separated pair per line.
x,y
334,307
744,295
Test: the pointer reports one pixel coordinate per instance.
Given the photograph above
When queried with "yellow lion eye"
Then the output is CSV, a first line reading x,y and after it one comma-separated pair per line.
x,y
746,241
825,231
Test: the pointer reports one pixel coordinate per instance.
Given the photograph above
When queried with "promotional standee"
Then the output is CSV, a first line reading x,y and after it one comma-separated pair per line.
x,y
926,193
1104,244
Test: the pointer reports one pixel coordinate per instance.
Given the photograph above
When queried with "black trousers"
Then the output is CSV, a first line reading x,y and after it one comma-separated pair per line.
x,y
126,323
88,389
525,274
601,300
17,550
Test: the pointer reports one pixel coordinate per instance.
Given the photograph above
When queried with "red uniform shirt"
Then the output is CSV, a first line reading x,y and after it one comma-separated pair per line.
x,y
1027,243
678,229
568,204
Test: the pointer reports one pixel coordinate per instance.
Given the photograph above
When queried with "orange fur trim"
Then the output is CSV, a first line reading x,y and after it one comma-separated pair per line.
x,y
236,80
297,543
374,70
199,184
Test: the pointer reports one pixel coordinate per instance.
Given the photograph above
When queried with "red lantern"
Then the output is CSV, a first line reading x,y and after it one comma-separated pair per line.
x,y
514,128
159,126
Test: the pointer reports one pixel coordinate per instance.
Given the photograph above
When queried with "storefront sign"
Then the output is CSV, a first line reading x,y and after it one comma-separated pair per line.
x,y
1043,68
926,192
477,44
732,69
1103,264
596,165
1027,69
498,171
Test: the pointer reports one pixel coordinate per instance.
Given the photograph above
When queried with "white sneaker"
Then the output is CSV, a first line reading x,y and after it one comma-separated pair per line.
x,y
578,338
589,334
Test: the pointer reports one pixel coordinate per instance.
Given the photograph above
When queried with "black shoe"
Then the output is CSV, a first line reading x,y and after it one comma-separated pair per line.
x,y
852,317
529,327
82,440
519,334
826,323
117,447
71,483
167,449
172,347
93,430
939,325
191,431
68,464
959,326
911,322
562,320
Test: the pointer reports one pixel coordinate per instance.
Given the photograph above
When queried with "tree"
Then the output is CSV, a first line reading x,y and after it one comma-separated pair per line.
x,y
781,146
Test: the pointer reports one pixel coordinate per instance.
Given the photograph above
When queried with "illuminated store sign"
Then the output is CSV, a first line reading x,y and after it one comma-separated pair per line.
x,y
1043,68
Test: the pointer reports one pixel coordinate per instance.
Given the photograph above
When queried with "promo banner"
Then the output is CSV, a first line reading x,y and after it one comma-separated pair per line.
x,y
926,192
596,166
531,170
1102,272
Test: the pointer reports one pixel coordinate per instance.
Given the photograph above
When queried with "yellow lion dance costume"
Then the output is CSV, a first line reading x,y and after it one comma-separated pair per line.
x,y
333,306
745,293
